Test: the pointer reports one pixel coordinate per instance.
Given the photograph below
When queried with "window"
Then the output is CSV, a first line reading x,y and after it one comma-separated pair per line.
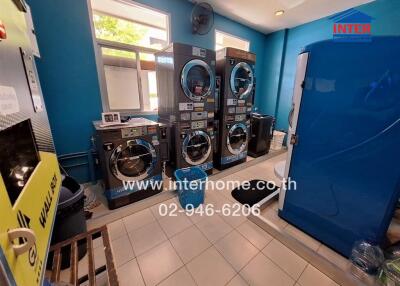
x,y
225,40
127,36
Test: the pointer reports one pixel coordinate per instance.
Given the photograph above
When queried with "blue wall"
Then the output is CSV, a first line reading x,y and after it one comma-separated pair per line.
x,y
268,89
387,22
68,72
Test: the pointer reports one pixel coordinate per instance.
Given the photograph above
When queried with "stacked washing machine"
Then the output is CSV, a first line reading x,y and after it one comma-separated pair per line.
x,y
186,88
237,89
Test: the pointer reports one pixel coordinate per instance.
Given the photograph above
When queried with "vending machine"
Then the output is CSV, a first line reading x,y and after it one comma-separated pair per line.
x,y
344,138
29,175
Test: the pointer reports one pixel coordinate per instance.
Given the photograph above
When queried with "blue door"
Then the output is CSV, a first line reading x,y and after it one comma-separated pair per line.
x,y
346,162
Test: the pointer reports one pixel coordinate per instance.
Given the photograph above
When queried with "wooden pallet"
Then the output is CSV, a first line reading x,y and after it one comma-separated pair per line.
x,y
92,272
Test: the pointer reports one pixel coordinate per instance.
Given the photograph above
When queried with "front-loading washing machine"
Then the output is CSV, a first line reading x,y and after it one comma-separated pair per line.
x,y
186,82
236,68
192,145
131,158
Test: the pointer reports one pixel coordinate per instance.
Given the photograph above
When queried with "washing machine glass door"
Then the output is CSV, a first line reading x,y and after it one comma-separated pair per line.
x,y
197,80
133,161
237,138
242,80
196,148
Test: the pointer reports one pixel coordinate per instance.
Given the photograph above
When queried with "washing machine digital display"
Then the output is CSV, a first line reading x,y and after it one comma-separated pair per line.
x,y
198,124
242,80
134,132
240,117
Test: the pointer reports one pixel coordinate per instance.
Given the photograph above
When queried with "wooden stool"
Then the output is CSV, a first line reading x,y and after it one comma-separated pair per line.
x,y
92,272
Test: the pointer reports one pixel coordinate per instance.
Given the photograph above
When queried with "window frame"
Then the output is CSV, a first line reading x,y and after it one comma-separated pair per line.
x,y
98,44
231,35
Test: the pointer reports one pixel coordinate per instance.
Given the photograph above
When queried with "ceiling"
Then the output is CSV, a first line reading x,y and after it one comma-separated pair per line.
x,y
260,14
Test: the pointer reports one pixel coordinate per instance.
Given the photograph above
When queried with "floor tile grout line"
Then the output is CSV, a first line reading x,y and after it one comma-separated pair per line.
x,y
137,261
258,251
302,272
249,240
177,254
191,275
238,274
237,271
212,244
158,243
201,251
127,234
221,236
276,264
178,231
140,226
216,248
166,278
308,262
197,255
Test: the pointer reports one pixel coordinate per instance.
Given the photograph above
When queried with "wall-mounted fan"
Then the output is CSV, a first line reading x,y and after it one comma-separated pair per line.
x,y
202,18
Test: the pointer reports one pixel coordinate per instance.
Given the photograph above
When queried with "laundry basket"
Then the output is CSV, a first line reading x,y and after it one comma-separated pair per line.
x,y
277,140
190,184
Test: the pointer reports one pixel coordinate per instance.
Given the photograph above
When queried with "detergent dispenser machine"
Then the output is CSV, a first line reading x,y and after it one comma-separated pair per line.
x,y
347,176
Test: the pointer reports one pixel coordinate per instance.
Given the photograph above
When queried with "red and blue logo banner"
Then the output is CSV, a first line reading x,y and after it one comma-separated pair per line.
x,y
352,26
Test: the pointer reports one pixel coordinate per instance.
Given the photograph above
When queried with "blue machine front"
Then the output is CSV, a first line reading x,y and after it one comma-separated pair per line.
x,y
129,187
233,158
206,166
346,162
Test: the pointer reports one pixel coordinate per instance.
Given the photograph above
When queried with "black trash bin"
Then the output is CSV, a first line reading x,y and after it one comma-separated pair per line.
x,y
262,127
70,220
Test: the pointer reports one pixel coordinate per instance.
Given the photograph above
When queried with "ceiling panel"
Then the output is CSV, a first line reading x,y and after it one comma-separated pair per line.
x,y
260,14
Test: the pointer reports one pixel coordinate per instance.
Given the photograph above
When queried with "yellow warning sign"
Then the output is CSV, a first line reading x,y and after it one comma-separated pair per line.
x,y
34,209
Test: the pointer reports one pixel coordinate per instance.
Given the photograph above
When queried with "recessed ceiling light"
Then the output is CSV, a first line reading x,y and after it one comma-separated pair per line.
x,y
279,13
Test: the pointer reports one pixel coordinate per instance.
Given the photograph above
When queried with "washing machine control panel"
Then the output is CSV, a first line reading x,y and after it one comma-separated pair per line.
x,y
185,116
232,102
199,124
240,117
241,109
133,132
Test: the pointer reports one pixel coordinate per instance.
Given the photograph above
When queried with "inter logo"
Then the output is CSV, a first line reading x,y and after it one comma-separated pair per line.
x,y
352,26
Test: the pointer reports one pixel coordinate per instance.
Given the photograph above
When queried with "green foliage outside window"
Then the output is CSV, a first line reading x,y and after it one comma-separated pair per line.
x,y
118,30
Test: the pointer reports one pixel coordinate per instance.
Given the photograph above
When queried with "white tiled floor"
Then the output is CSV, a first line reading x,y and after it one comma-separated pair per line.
x,y
153,250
